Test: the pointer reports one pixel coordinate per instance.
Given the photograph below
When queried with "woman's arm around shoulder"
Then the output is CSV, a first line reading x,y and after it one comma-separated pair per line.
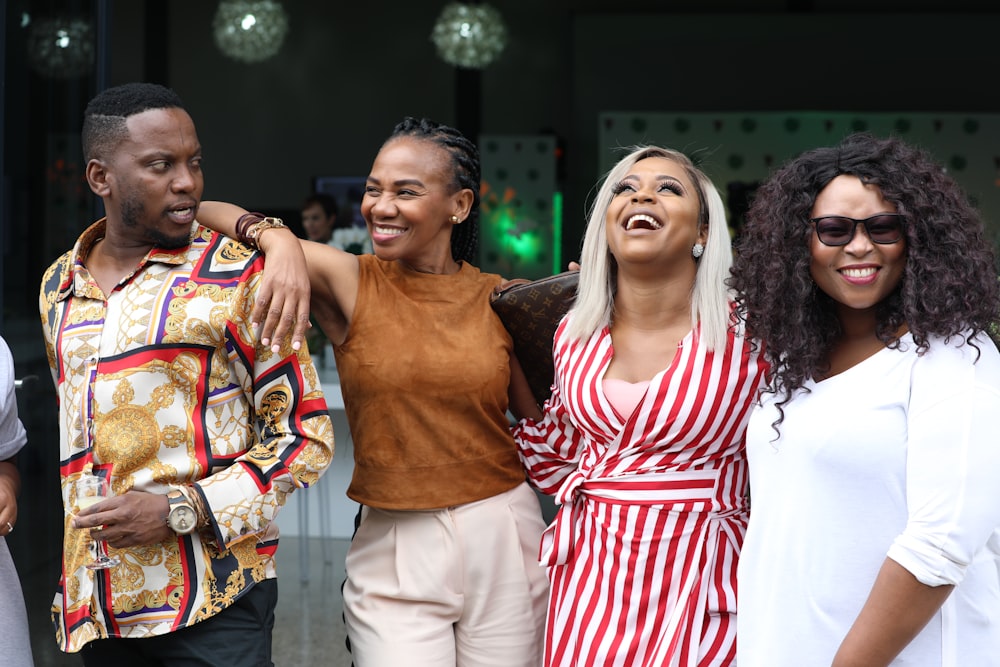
x,y
522,401
296,272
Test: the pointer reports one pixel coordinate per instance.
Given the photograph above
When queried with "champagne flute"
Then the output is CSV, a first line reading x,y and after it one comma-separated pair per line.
x,y
90,490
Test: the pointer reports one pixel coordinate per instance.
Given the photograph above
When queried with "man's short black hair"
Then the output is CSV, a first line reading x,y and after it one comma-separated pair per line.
x,y
104,119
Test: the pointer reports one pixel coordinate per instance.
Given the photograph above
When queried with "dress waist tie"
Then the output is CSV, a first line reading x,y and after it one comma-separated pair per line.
x,y
690,490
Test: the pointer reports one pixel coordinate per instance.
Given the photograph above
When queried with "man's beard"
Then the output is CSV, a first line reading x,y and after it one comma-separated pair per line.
x,y
132,210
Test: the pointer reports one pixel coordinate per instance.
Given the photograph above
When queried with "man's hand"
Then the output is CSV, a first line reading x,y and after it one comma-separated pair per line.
x,y
134,519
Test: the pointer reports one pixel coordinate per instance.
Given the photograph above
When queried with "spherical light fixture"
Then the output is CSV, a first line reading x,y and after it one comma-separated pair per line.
x,y
469,35
61,48
250,30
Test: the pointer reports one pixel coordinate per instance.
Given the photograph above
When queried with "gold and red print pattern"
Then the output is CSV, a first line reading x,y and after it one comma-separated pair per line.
x,y
163,384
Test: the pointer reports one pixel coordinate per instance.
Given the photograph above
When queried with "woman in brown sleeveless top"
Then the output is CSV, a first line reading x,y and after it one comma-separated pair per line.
x,y
443,569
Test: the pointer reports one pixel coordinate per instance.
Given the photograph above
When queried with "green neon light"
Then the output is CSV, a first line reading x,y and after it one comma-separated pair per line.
x,y
557,230
518,245
511,241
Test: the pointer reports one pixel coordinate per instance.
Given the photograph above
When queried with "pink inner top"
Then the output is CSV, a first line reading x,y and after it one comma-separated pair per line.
x,y
624,396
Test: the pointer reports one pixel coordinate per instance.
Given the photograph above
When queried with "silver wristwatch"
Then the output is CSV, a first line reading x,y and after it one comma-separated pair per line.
x,y
182,518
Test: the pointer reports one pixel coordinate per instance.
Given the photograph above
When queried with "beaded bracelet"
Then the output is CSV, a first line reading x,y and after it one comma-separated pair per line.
x,y
243,223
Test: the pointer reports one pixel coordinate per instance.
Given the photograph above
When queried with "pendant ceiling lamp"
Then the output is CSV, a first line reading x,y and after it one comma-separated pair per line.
x,y
61,47
469,35
250,31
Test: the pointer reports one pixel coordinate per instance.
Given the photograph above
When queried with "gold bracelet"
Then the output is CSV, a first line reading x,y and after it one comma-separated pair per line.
x,y
256,229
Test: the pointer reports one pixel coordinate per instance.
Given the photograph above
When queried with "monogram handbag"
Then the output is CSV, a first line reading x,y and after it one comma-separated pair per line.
x,y
531,311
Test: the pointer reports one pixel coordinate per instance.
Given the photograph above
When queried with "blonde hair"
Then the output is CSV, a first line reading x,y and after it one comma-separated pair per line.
x,y
594,305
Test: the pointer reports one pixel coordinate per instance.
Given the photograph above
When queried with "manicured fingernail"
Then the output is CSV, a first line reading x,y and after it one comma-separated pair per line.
x,y
296,345
276,348
255,325
265,341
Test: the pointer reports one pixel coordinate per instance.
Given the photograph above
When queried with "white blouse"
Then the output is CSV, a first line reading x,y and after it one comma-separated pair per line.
x,y
898,456
12,434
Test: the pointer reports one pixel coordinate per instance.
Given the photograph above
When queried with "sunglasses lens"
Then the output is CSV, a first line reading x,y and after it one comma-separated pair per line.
x,y
884,228
835,231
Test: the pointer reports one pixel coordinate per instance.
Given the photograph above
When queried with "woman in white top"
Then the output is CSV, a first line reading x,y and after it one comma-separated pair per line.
x,y
874,456
15,646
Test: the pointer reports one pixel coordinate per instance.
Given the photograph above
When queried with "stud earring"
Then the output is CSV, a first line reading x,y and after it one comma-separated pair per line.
x,y
454,219
697,250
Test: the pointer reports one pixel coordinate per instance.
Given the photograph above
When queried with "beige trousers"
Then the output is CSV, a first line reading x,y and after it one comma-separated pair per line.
x,y
456,587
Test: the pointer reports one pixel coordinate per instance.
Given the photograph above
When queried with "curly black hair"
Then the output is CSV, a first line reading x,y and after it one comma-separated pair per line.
x,y
467,174
949,286
105,115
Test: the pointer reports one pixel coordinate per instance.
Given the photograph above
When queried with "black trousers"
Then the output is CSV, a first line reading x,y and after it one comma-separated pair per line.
x,y
238,636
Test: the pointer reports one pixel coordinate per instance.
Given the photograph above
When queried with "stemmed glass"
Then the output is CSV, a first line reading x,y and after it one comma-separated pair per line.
x,y
91,489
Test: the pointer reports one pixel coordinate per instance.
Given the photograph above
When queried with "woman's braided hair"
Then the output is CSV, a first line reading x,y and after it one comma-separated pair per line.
x,y
465,164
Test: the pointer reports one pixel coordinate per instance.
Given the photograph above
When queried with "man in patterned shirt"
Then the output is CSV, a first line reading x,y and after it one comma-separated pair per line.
x,y
165,390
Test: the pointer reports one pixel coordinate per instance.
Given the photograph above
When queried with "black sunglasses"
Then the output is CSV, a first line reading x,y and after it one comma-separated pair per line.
x,y
837,230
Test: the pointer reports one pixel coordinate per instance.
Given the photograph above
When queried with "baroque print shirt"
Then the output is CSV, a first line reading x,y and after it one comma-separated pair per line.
x,y
161,385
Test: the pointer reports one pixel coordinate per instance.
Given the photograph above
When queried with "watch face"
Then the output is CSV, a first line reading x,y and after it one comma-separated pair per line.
x,y
183,519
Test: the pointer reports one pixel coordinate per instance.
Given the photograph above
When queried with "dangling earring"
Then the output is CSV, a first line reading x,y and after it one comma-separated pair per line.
x,y
454,219
697,250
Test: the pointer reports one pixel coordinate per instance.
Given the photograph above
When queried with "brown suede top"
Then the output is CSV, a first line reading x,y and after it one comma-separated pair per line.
x,y
424,373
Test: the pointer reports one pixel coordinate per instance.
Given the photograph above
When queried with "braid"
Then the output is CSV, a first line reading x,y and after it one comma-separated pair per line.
x,y
465,163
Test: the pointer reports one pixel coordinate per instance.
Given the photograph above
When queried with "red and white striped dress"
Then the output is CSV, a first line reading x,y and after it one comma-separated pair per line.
x,y
642,554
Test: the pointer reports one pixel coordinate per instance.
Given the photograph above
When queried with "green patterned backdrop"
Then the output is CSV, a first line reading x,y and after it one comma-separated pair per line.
x,y
520,215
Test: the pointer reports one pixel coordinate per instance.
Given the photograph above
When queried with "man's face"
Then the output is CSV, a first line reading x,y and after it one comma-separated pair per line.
x,y
317,225
154,179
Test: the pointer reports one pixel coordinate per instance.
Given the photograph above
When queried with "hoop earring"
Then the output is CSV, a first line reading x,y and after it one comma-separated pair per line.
x,y
698,250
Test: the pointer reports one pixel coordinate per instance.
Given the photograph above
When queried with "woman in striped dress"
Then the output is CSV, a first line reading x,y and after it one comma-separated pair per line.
x,y
642,440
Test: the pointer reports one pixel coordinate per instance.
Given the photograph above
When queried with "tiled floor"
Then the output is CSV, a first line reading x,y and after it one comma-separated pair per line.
x,y
309,625
309,628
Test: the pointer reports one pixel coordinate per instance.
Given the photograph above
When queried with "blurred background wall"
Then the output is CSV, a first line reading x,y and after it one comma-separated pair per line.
x,y
730,81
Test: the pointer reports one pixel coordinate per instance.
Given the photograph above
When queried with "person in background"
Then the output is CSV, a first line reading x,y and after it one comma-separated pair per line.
x,y
319,217
874,537
321,224
164,391
443,569
15,640
642,439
